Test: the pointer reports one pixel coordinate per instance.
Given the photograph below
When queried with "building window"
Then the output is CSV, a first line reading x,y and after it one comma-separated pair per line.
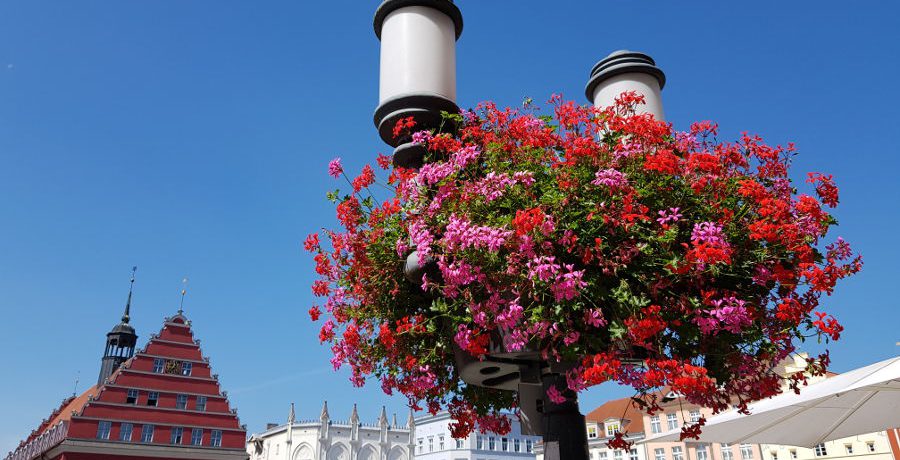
x,y
152,398
870,446
147,433
633,454
177,433
504,444
820,450
480,443
695,416
215,438
773,455
659,454
125,430
592,432
132,396
181,402
431,444
491,443
103,429
655,425
848,448
158,365
603,455
677,453
421,443
201,403
672,421
726,452
517,445
617,454
746,452
196,436
611,428
459,443
793,454
702,453
441,442
186,368
529,446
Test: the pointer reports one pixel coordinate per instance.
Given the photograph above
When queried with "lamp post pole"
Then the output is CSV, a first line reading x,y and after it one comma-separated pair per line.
x,y
418,80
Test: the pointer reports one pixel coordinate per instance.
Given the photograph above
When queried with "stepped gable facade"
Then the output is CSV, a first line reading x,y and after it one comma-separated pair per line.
x,y
161,402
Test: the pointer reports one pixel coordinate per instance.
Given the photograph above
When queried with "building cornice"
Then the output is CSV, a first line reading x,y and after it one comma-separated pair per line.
x,y
165,409
145,450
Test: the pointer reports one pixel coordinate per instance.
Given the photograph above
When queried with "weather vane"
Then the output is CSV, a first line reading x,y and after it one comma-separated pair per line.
x,y
184,283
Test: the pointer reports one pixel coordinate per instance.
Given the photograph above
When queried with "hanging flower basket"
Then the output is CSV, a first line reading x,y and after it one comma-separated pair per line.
x,y
602,239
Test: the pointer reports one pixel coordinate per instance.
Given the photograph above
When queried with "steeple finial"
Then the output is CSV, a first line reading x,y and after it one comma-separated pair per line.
x,y
184,283
411,421
291,415
127,316
354,416
325,415
382,419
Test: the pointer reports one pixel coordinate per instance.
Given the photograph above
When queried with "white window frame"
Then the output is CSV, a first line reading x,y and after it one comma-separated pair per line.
x,y
159,365
672,421
125,433
695,416
702,452
176,437
612,428
181,401
592,432
727,454
820,450
659,454
197,436
655,424
633,454
215,438
870,446
103,429
147,432
186,368
746,452
132,393
153,396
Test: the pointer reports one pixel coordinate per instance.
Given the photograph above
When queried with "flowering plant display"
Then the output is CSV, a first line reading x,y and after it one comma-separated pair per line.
x,y
601,238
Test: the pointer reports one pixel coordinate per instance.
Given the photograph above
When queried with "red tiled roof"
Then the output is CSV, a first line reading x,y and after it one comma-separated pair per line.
x,y
625,409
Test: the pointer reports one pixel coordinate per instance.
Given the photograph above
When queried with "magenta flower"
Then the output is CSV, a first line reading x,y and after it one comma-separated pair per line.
x,y
335,169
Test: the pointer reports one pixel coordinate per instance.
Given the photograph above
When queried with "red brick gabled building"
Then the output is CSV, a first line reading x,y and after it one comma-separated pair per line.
x,y
161,402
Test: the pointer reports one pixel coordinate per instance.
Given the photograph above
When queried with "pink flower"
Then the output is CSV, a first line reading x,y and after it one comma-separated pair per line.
x,y
461,234
610,178
335,169
555,395
668,216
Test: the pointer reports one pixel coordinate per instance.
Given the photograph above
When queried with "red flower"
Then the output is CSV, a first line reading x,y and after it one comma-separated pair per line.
x,y
365,179
312,242
314,313
526,221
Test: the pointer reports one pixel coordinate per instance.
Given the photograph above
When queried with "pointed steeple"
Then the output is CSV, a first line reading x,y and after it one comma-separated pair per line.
x,y
324,415
411,421
127,316
354,416
382,419
291,416
394,421
120,341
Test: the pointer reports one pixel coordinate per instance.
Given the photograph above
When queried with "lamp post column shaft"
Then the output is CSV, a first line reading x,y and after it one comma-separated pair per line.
x,y
565,433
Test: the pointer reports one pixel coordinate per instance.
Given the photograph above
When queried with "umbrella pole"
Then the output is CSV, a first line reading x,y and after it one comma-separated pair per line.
x,y
565,433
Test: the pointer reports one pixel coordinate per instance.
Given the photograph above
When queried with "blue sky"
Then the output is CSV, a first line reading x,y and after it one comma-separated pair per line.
x,y
192,138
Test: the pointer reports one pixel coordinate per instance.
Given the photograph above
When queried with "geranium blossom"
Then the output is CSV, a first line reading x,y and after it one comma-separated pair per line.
x,y
599,239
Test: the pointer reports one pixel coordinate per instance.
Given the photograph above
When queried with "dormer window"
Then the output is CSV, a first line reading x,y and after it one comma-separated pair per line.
x,y
591,432
611,428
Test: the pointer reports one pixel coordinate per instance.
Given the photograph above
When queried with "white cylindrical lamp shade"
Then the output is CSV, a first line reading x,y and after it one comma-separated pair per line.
x,y
418,62
624,71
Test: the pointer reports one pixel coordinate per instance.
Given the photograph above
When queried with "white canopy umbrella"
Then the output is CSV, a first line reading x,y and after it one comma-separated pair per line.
x,y
860,401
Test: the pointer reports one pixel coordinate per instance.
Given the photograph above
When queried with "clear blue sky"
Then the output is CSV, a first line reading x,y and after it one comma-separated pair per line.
x,y
191,138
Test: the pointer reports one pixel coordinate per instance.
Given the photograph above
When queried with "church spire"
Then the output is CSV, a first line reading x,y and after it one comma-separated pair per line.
x,y
127,316
120,341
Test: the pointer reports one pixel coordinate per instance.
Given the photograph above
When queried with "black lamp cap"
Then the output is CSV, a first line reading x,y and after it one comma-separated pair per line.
x,y
445,6
620,62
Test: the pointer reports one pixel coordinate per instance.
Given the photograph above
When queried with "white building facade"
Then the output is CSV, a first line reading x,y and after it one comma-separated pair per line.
x,y
327,439
432,441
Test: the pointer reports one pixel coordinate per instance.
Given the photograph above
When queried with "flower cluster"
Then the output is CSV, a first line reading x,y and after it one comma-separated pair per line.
x,y
602,238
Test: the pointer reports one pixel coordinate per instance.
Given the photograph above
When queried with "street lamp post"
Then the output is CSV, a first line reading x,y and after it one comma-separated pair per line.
x,y
418,80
